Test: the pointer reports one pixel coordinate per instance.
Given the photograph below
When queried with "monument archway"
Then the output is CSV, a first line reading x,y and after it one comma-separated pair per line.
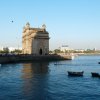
x,y
40,51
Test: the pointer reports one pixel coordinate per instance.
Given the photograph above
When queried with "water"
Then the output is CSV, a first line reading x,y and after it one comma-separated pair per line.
x,y
49,80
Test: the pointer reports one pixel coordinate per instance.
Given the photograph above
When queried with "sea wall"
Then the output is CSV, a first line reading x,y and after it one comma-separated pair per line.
x,y
31,58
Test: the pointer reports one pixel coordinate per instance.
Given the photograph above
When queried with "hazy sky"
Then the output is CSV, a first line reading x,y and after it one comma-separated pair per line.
x,y
70,22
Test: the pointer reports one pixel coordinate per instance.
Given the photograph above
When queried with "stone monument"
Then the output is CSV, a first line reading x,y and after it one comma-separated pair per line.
x,y
35,40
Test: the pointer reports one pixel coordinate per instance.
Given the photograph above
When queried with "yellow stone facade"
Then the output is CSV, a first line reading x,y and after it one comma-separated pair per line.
x,y
35,40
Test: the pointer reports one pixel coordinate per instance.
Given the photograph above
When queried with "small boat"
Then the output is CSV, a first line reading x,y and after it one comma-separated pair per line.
x,y
95,74
75,73
98,62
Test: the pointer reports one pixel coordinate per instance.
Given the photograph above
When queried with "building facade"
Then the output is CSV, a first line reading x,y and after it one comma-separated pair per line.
x,y
35,40
64,48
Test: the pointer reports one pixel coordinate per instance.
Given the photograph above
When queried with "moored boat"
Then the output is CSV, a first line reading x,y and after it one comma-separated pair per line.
x,y
94,74
70,73
98,62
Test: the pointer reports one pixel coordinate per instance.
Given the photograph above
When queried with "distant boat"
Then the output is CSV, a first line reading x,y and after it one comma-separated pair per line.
x,y
94,74
98,62
70,73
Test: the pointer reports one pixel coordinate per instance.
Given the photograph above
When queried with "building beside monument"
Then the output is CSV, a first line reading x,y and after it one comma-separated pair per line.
x,y
35,40
64,48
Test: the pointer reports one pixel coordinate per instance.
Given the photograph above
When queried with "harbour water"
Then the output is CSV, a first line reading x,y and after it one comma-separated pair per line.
x,y
50,81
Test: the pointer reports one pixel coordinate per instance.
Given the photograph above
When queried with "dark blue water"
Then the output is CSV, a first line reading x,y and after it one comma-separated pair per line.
x,y
47,81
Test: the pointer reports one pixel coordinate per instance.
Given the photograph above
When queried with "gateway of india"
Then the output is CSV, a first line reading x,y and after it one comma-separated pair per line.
x,y
35,40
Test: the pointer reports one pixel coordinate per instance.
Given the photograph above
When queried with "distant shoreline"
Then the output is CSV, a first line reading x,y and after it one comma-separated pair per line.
x,y
87,54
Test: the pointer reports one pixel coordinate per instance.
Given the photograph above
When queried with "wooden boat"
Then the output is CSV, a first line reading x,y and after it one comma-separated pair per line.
x,y
95,74
75,73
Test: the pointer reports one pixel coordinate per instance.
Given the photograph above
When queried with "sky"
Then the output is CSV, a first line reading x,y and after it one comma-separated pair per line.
x,y
69,22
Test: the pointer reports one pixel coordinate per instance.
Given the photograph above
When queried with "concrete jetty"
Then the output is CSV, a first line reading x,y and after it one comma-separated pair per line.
x,y
21,58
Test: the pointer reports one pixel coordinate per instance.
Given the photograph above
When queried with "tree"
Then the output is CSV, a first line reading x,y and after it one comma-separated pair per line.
x,y
17,51
56,51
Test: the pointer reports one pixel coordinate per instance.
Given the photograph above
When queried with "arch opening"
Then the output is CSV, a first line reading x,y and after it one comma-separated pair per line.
x,y
40,52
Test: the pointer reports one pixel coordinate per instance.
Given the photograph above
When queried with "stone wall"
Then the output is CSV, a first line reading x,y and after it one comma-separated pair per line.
x,y
31,58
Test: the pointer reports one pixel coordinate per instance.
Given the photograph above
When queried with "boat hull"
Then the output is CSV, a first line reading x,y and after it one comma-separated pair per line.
x,y
95,74
75,73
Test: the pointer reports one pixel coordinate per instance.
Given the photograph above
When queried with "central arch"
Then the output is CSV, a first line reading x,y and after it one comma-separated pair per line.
x,y
40,51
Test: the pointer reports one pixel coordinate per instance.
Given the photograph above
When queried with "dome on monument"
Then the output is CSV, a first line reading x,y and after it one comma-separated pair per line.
x,y
27,25
44,26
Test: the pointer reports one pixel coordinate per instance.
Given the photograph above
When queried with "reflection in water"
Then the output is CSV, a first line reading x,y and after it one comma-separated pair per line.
x,y
30,69
35,76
